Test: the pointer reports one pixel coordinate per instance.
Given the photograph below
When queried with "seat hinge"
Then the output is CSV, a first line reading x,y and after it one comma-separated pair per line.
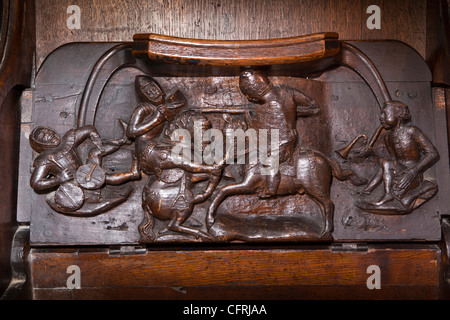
x,y
349,247
127,250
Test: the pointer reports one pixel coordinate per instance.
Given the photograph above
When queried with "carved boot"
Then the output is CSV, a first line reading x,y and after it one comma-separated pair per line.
x,y
135,171
386,198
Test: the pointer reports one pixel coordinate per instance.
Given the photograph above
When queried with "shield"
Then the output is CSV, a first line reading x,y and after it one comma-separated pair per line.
x,y
69,196
91,176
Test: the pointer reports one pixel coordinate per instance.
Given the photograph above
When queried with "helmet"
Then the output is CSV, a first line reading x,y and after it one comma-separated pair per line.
x,y
254,84
149,89
44,138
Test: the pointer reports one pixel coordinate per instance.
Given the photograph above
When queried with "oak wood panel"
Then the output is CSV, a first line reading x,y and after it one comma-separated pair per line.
x,y
233,293
413,267
108,20
404,20
8,140
328,131
300,49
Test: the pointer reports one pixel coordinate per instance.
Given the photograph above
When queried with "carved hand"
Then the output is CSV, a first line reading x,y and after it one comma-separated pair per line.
x,y
97,141
407,179
170,112
147,110
64,175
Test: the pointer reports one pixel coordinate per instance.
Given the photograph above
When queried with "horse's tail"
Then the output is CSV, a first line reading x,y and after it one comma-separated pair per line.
x,y
345,174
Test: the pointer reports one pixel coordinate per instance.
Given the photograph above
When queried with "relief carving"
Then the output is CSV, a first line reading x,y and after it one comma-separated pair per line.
x,y
411,153
246,165
297,170
77,187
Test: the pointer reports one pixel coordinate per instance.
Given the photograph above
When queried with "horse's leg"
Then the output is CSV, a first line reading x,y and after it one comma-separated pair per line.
x,y
179,218
321,195
148,222
146,226
248,185
327,208
315,177
201,197
199,177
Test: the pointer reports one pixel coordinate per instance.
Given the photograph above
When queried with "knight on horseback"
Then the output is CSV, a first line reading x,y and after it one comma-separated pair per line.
x,y
299,170
167,198
276,108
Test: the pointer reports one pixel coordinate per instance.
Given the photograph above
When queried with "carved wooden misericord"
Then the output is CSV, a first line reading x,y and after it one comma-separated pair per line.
x,y
166,139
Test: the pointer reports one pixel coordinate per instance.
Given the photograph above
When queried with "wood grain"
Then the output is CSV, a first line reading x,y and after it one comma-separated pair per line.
x,y
402,267
108,20
301,49
240,293
403,20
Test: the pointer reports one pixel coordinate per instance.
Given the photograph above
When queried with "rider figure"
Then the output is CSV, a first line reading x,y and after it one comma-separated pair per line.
x,y
147,124
276,109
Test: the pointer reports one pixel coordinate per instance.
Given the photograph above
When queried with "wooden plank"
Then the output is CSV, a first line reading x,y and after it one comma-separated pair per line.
x,y
108,20
403,20
414,267
6,235
240,293
291,50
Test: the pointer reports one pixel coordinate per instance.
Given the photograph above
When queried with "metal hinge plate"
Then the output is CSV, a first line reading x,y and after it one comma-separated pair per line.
x,y
127,250
349,247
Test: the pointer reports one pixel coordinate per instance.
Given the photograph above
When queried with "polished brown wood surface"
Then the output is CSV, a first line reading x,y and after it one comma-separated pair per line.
x,y
301,49
411,272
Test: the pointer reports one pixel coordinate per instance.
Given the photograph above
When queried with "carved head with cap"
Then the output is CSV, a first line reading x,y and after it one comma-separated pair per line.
x,y
150,89
394,113
254,84
44,138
